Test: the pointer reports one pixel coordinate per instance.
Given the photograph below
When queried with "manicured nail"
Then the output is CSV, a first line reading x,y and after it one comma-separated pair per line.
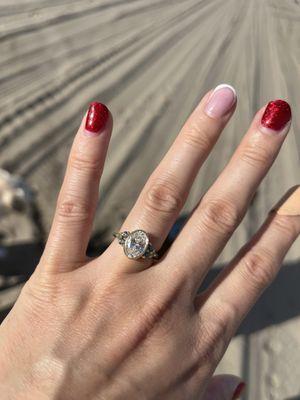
x,y
221,101
238,391
290,203
277,114
96,118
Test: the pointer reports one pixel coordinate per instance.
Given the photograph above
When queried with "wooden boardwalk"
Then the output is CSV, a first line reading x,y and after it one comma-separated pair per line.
x,y
151,61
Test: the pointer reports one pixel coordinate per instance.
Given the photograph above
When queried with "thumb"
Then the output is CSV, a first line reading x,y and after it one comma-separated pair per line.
x,y
224,387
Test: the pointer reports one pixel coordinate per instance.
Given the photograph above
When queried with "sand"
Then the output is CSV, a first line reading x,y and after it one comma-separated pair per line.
x,y
151,61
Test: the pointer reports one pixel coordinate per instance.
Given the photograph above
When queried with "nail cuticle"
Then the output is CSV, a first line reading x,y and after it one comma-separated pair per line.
x,y
273,132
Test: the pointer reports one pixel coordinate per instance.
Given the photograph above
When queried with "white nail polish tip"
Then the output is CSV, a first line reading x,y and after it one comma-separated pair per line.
x,y
225,85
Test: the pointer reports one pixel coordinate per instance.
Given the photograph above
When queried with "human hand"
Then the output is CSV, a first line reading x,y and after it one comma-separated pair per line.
x,y
115,328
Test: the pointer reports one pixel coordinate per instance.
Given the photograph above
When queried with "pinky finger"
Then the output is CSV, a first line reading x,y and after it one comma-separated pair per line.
x,y
240,285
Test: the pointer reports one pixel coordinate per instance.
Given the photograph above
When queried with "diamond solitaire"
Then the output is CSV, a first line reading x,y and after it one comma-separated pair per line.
x,y
136,244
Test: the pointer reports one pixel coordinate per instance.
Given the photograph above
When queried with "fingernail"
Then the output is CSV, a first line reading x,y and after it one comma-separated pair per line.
x,y
277,114
96,118
221,101
238,391
290,203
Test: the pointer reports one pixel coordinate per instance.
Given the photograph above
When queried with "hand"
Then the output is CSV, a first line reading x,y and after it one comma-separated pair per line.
x,y
115,328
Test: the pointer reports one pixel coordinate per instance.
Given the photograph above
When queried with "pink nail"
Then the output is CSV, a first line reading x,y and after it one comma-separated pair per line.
x,y
221,101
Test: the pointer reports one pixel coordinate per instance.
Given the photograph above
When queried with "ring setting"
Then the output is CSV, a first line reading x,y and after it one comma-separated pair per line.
x,y
136,244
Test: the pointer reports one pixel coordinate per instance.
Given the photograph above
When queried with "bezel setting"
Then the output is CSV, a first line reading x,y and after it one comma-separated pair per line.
x,y
136,244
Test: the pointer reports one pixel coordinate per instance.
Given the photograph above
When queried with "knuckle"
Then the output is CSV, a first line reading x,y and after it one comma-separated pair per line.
x,y
220,215
163,198
198,137
259,268
286,226
256,155
84,164
71,210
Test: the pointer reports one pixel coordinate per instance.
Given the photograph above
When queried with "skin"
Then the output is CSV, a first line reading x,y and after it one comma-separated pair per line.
x,y
114,328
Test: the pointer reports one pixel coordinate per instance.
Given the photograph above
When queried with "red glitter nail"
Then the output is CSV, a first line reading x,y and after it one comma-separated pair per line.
x,y
97,117
277,114
238,391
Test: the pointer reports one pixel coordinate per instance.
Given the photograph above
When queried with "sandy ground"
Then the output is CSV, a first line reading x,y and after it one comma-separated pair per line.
x,y
151,61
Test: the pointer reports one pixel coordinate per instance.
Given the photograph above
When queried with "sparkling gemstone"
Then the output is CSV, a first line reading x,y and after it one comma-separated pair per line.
x,y
136,244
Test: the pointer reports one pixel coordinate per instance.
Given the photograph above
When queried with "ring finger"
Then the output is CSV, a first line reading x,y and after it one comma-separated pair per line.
x,y
167,188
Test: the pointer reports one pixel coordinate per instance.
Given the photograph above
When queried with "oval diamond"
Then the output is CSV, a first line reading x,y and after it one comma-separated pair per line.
x,y
136,244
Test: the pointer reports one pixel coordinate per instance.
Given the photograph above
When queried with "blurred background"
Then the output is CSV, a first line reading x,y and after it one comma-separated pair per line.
x,y
150,61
